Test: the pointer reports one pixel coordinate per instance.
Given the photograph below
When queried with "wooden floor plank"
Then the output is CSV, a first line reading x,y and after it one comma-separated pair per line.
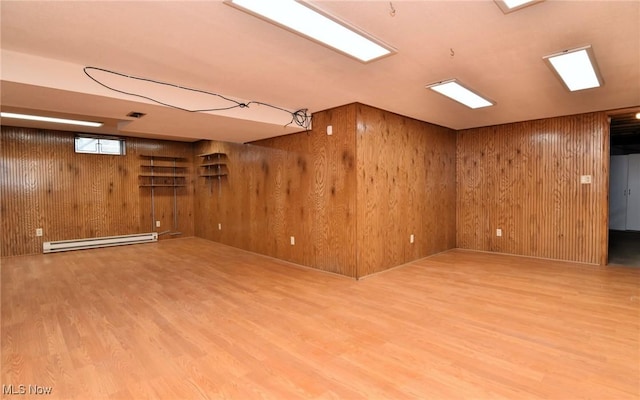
x,y
192,319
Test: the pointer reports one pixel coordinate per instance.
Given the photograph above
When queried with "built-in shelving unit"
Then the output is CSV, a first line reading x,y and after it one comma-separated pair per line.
x,y
163,171
213,166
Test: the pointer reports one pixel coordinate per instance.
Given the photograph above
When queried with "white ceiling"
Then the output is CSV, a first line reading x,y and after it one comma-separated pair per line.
x,y
210,46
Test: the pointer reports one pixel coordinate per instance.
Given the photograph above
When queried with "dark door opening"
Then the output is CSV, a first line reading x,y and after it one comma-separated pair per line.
x,y
624,189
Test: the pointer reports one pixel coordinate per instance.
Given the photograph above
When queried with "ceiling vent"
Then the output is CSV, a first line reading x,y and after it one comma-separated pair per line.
x,y
135,114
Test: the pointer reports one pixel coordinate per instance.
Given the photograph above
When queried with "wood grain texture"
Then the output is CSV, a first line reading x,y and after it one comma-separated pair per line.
x,y
406,186
194,319
351,200
301,185
45,184
525,179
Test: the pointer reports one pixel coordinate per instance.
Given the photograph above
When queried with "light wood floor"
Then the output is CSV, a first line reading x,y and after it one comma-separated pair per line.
x,y
188,318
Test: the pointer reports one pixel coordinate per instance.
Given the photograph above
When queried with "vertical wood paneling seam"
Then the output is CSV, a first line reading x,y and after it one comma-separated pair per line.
x,y
560,150
47,189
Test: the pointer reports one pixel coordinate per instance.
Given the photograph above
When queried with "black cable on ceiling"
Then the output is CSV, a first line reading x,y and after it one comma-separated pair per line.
x,y
298,117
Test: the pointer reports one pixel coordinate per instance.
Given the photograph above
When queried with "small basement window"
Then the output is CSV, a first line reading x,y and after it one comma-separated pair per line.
x,y
94,145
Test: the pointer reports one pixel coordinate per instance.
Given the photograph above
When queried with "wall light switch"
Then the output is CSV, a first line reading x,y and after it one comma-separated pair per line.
x,y
219,227
412,239
157,224
499,232
329,130
293,240
39,232
585,179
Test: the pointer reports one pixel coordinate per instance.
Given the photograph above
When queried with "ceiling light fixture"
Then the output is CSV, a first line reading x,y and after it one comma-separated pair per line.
x,y
51,119
508,6
456,91
576,68
310,22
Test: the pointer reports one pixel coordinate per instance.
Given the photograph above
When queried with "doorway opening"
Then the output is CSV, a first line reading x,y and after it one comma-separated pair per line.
x,y
624,189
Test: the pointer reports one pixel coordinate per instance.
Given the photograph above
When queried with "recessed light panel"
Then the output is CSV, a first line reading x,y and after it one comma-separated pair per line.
x,y
508,6
576,68
50,119
455,91
515,3
311,23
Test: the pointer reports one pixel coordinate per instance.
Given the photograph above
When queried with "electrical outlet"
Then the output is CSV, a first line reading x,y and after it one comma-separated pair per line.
x,y
39,232
329,130
219,227
157,224
293,240
585,179
412,239
499,232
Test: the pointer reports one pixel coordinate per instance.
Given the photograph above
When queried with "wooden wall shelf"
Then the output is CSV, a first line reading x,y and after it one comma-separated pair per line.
x,y
213,165
163,171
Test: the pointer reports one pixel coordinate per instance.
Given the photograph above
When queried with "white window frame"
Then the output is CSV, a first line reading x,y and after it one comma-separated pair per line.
x,y
101,145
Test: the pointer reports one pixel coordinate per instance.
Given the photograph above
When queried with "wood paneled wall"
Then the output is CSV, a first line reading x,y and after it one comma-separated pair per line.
x,y
351,199
524,178
300,185
406,186
45,184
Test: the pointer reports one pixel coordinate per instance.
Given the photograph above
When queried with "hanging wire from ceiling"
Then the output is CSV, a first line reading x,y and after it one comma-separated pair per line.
x,y
299,117
392,10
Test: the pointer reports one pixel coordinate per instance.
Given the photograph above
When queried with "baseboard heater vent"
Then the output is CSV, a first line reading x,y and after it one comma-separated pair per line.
x,y
92,243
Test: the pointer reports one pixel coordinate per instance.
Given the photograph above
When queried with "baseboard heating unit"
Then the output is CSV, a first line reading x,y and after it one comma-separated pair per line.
x,y
92,243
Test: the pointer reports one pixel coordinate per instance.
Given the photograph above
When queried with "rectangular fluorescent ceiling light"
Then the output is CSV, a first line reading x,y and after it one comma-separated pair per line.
x,y
508,6
50,119
454,90
315,25
576,68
